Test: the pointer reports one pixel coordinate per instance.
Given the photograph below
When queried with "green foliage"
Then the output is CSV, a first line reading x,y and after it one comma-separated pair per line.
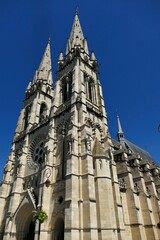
x,y
41,216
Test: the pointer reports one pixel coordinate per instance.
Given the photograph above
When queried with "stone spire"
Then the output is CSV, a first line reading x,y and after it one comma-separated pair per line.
x,y
120,133
44,71
76,36
42,80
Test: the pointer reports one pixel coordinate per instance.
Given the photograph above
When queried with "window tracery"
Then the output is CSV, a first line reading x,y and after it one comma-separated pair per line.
x,y
36,153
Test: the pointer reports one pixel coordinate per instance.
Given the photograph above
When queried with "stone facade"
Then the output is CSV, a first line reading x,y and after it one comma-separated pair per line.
x,y
63,161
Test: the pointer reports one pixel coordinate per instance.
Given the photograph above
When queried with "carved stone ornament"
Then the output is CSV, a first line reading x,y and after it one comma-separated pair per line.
x,y
46,175
88,143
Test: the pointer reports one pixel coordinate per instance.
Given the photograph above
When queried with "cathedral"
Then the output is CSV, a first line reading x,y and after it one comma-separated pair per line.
x,y
66,178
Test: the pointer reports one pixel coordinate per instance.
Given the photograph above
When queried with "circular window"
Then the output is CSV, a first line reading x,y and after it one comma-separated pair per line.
x,y
36,152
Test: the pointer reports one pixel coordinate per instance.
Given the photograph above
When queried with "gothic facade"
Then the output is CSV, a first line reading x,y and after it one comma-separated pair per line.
x,y
65,177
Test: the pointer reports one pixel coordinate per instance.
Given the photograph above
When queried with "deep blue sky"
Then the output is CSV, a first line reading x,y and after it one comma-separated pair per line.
x,y
125,36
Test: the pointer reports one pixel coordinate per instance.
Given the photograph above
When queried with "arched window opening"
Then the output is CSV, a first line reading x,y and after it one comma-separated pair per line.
x,y
26,116
25,227
90,89
59,230
63,161
30,235
64,92
61,154
43,112
66,88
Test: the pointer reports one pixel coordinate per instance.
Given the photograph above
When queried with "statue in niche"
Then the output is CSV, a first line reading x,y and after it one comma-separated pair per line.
x,y
88,144
18,170
70,145
111,154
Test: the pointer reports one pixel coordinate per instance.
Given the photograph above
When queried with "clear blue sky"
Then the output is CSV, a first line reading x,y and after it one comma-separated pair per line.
x,y
125,36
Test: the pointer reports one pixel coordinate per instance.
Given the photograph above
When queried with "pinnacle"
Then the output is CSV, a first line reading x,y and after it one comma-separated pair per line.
x,y
93,57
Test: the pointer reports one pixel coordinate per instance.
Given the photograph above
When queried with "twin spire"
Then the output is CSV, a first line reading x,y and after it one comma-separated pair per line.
x,y
44,72
43,75
45,65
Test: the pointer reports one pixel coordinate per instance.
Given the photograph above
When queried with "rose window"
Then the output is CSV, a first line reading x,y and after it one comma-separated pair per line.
x,y
38,154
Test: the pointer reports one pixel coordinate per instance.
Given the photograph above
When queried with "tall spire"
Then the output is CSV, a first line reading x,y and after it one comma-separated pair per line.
x,y
76,35
44,71
120,133
119,125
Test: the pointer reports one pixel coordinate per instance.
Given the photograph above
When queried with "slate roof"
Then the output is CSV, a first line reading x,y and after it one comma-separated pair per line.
x,y
135,149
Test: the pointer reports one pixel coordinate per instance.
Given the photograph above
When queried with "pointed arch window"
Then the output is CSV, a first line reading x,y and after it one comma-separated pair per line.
x,y
43,112
66,88
26,116
90,95
90,89
59,229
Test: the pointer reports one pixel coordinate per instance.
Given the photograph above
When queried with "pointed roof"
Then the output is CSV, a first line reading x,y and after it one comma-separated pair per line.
x,y
76,35
126,144
44,71
119,125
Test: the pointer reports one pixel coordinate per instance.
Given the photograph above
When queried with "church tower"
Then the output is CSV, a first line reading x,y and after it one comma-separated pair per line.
x,y
21,184
61,179
81,159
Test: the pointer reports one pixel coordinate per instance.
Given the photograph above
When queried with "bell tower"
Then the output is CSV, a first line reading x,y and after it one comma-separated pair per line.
x,y
21,187
38,95
61,161
81,148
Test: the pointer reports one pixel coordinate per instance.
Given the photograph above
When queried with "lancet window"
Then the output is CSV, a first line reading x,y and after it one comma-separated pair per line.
x,y
26,116
90,89
43,112
66,88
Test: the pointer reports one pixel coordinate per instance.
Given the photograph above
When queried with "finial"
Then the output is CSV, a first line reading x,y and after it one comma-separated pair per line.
x,y
49,39
76,12
117,114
